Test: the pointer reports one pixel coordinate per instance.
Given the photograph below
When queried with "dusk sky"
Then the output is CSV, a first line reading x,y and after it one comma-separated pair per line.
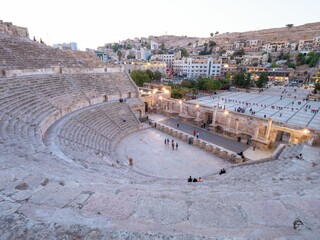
x,y
94,23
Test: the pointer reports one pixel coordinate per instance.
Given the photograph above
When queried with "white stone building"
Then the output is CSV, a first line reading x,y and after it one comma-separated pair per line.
x,y
193,68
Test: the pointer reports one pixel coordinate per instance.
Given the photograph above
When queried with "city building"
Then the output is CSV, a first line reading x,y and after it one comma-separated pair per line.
x,y
306,45
196,67
167,58
70,46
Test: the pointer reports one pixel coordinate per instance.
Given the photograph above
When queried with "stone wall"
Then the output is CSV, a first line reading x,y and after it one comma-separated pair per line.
x,y
10,29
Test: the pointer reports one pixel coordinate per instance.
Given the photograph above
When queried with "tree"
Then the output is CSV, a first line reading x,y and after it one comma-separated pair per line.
x,y
186,84
184,52
212,44
239,80
211,34
119,54
247,81
157,75
131,56
140,77
290,25
176,93
300,59
239,52
211,85
150,74
292,65
115,47
262,81
163,47
274,65
228,76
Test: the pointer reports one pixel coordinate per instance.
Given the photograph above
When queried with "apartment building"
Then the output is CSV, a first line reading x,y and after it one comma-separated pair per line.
x,y
275,46
316,43
229,68
253,45
196,67
237,45
306,45
167,58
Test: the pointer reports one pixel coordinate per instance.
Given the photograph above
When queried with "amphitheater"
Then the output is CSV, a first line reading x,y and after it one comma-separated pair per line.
x,y
65,140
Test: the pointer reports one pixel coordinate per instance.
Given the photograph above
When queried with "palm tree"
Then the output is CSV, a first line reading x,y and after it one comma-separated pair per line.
x,y
119,54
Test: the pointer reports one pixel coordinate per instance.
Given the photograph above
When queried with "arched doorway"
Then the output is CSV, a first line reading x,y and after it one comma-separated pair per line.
x,y
146,107
282,137
219,129
139,113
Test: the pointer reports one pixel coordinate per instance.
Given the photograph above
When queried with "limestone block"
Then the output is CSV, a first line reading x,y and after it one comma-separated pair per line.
x,y
233,157
196,142
209,148
180,135
217,151
224,154
239,160
175,133
203,145
185,137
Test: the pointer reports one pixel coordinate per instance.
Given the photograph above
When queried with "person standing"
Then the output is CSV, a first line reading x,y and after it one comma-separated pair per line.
x,y
172,145
177,145
197,135
194,133
178,125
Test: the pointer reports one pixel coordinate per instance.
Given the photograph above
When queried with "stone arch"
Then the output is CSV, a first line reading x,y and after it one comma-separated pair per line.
x,y
219,129
303,138
244,137
139,113
173,105
146,107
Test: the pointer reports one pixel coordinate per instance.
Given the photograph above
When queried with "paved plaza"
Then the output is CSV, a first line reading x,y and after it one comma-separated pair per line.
x,y
154,158
285,105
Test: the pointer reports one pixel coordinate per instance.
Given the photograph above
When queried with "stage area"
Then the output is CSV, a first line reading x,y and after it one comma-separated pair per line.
x,y
154,158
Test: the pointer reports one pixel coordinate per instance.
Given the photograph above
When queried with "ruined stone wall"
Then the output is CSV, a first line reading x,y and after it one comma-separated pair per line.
x,y
10,29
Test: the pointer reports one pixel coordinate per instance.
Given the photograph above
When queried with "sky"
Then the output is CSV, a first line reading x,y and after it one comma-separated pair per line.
x,y
96,22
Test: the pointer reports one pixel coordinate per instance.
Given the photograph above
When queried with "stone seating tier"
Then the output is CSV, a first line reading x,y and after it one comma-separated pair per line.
x,y
22,53
96,129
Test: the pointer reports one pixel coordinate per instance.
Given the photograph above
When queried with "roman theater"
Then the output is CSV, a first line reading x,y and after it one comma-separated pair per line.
x,y
69,124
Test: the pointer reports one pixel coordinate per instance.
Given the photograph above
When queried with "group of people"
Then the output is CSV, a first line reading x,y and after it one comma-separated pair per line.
x,y
222,171
195,179
167,141
196,134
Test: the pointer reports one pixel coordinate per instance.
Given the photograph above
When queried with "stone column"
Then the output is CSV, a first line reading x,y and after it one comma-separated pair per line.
x,y
268,129
214,116
198,114
256,133
237,125
228,121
